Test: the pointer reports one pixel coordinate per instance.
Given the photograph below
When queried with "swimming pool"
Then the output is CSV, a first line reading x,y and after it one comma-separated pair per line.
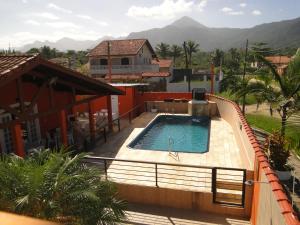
x,y
175,133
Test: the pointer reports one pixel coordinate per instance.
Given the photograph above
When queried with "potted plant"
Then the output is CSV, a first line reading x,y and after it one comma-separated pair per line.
x,y
276,147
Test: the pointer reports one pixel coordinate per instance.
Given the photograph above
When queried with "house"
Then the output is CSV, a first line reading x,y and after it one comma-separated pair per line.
x,y
280,62
36,99
131,60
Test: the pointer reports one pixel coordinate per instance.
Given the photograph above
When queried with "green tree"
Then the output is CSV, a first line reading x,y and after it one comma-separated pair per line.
x,y
33,51
163,50
218,57
191,48
58,187
175,52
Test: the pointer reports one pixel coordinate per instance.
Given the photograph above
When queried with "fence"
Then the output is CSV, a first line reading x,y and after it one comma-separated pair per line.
x,y
226,184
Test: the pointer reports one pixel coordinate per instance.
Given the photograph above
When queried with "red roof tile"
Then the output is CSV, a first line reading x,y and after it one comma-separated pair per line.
x,y
156,74
120,47
163,63
278,59
124,77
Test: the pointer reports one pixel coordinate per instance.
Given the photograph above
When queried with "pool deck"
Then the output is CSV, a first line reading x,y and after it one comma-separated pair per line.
x,y
223,152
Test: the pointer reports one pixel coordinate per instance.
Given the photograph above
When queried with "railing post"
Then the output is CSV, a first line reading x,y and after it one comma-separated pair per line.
x,y
119,127
156,181
213,182
244,187
105,169
104,134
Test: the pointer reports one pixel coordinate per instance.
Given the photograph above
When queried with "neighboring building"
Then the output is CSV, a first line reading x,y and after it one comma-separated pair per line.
x,y
37,97
280,62
131,60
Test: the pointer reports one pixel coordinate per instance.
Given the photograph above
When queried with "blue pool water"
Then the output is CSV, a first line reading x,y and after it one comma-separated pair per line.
x,y
177,133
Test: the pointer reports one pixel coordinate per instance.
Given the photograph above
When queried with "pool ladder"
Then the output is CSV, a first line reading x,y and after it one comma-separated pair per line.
x,y
171,143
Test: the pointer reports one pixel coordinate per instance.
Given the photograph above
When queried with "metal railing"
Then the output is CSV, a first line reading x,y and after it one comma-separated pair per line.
x,y
226,184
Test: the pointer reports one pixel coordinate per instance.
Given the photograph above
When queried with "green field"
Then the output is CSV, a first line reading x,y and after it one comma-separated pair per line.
x,y
271,124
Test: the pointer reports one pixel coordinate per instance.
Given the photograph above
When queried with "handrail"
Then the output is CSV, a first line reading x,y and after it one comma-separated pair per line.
x,y
159,163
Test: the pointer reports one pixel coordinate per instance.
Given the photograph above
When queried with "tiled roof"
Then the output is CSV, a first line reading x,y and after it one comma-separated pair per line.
x,y
11,67
155,74
120,47
163,63
278,59
124,77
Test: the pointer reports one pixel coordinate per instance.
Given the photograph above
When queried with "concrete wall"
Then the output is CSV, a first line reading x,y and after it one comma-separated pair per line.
x,y
183,87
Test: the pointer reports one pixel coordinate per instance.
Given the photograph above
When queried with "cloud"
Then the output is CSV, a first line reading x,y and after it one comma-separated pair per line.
x,y
256,12
243,5
46,15
229,11
87,17
32,22
62,24
24,1
202,5
58,8
226,9
168,9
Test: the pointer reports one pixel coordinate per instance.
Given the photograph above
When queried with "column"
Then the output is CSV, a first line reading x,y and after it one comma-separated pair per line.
x,y
63,127
109,112
17,136
92,122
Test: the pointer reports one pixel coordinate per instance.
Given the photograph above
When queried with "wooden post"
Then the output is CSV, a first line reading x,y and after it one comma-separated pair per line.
x,y
109,112
17,137
92,122
63,127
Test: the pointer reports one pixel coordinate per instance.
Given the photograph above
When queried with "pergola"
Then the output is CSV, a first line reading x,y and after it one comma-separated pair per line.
x,y
29,80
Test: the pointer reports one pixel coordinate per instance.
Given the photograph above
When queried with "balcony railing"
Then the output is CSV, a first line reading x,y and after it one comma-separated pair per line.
x,y
120,69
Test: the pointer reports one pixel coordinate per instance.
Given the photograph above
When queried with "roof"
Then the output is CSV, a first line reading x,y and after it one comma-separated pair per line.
x,y
128,84
156,74
279,59
124,77
12,67
163,63
121,47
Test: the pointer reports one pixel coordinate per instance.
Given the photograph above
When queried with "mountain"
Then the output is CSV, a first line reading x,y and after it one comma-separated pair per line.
x,y
277,34
65,44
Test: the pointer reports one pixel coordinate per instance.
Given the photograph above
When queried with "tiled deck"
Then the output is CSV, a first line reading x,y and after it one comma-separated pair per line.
x,y
149,215
223,152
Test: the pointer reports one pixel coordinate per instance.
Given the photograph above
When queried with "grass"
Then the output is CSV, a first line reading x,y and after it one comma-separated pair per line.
x,y
271,124
250,99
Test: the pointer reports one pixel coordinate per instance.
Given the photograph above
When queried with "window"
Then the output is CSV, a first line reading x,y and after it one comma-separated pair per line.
x,y
124,61
103,62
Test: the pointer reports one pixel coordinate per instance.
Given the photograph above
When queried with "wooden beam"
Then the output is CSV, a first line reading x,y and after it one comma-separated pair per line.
x,y
43,114
20,94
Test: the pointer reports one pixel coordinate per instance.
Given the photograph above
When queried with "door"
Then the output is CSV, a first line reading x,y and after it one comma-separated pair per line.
x,y
6,140
115,106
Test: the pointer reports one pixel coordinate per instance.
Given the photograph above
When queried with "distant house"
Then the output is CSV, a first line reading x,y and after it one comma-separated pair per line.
x,y
280,62
132,59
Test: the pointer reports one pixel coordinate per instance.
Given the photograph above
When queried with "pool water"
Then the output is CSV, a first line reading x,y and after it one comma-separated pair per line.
x,y
175,133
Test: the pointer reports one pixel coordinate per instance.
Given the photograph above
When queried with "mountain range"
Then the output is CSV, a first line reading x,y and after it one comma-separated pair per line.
x,y
277,34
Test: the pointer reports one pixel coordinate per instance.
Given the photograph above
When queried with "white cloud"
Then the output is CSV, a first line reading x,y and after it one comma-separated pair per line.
x,y
32,22
58,8
86,17
62,25
236,13
46,15
243,5
168,9
24,1
202,5
256,12
226,9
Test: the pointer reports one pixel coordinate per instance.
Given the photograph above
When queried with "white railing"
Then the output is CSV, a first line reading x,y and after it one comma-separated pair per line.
x,y
101,69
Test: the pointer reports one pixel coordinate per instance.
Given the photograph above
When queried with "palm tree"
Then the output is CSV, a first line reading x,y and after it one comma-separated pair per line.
x,y
57,187
162,50
191,48
288,86
175,52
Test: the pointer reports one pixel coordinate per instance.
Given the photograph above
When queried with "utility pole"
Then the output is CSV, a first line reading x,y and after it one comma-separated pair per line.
x,y
109,61
244,74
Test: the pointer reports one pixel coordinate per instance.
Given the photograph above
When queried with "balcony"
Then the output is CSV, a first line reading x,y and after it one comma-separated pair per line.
x,y
123,69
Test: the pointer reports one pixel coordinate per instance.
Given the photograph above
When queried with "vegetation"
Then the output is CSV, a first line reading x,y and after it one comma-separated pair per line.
x,y
55,186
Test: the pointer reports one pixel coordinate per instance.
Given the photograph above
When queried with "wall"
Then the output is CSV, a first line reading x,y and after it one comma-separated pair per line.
x,y
183,86
270,204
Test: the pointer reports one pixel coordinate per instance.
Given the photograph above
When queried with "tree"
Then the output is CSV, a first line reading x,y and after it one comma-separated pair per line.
x,y
218,57
191,48
175,52
288,85
58,187
162,50
33,51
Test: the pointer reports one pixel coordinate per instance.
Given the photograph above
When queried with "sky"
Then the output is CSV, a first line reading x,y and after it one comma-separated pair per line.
x,y
24,21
